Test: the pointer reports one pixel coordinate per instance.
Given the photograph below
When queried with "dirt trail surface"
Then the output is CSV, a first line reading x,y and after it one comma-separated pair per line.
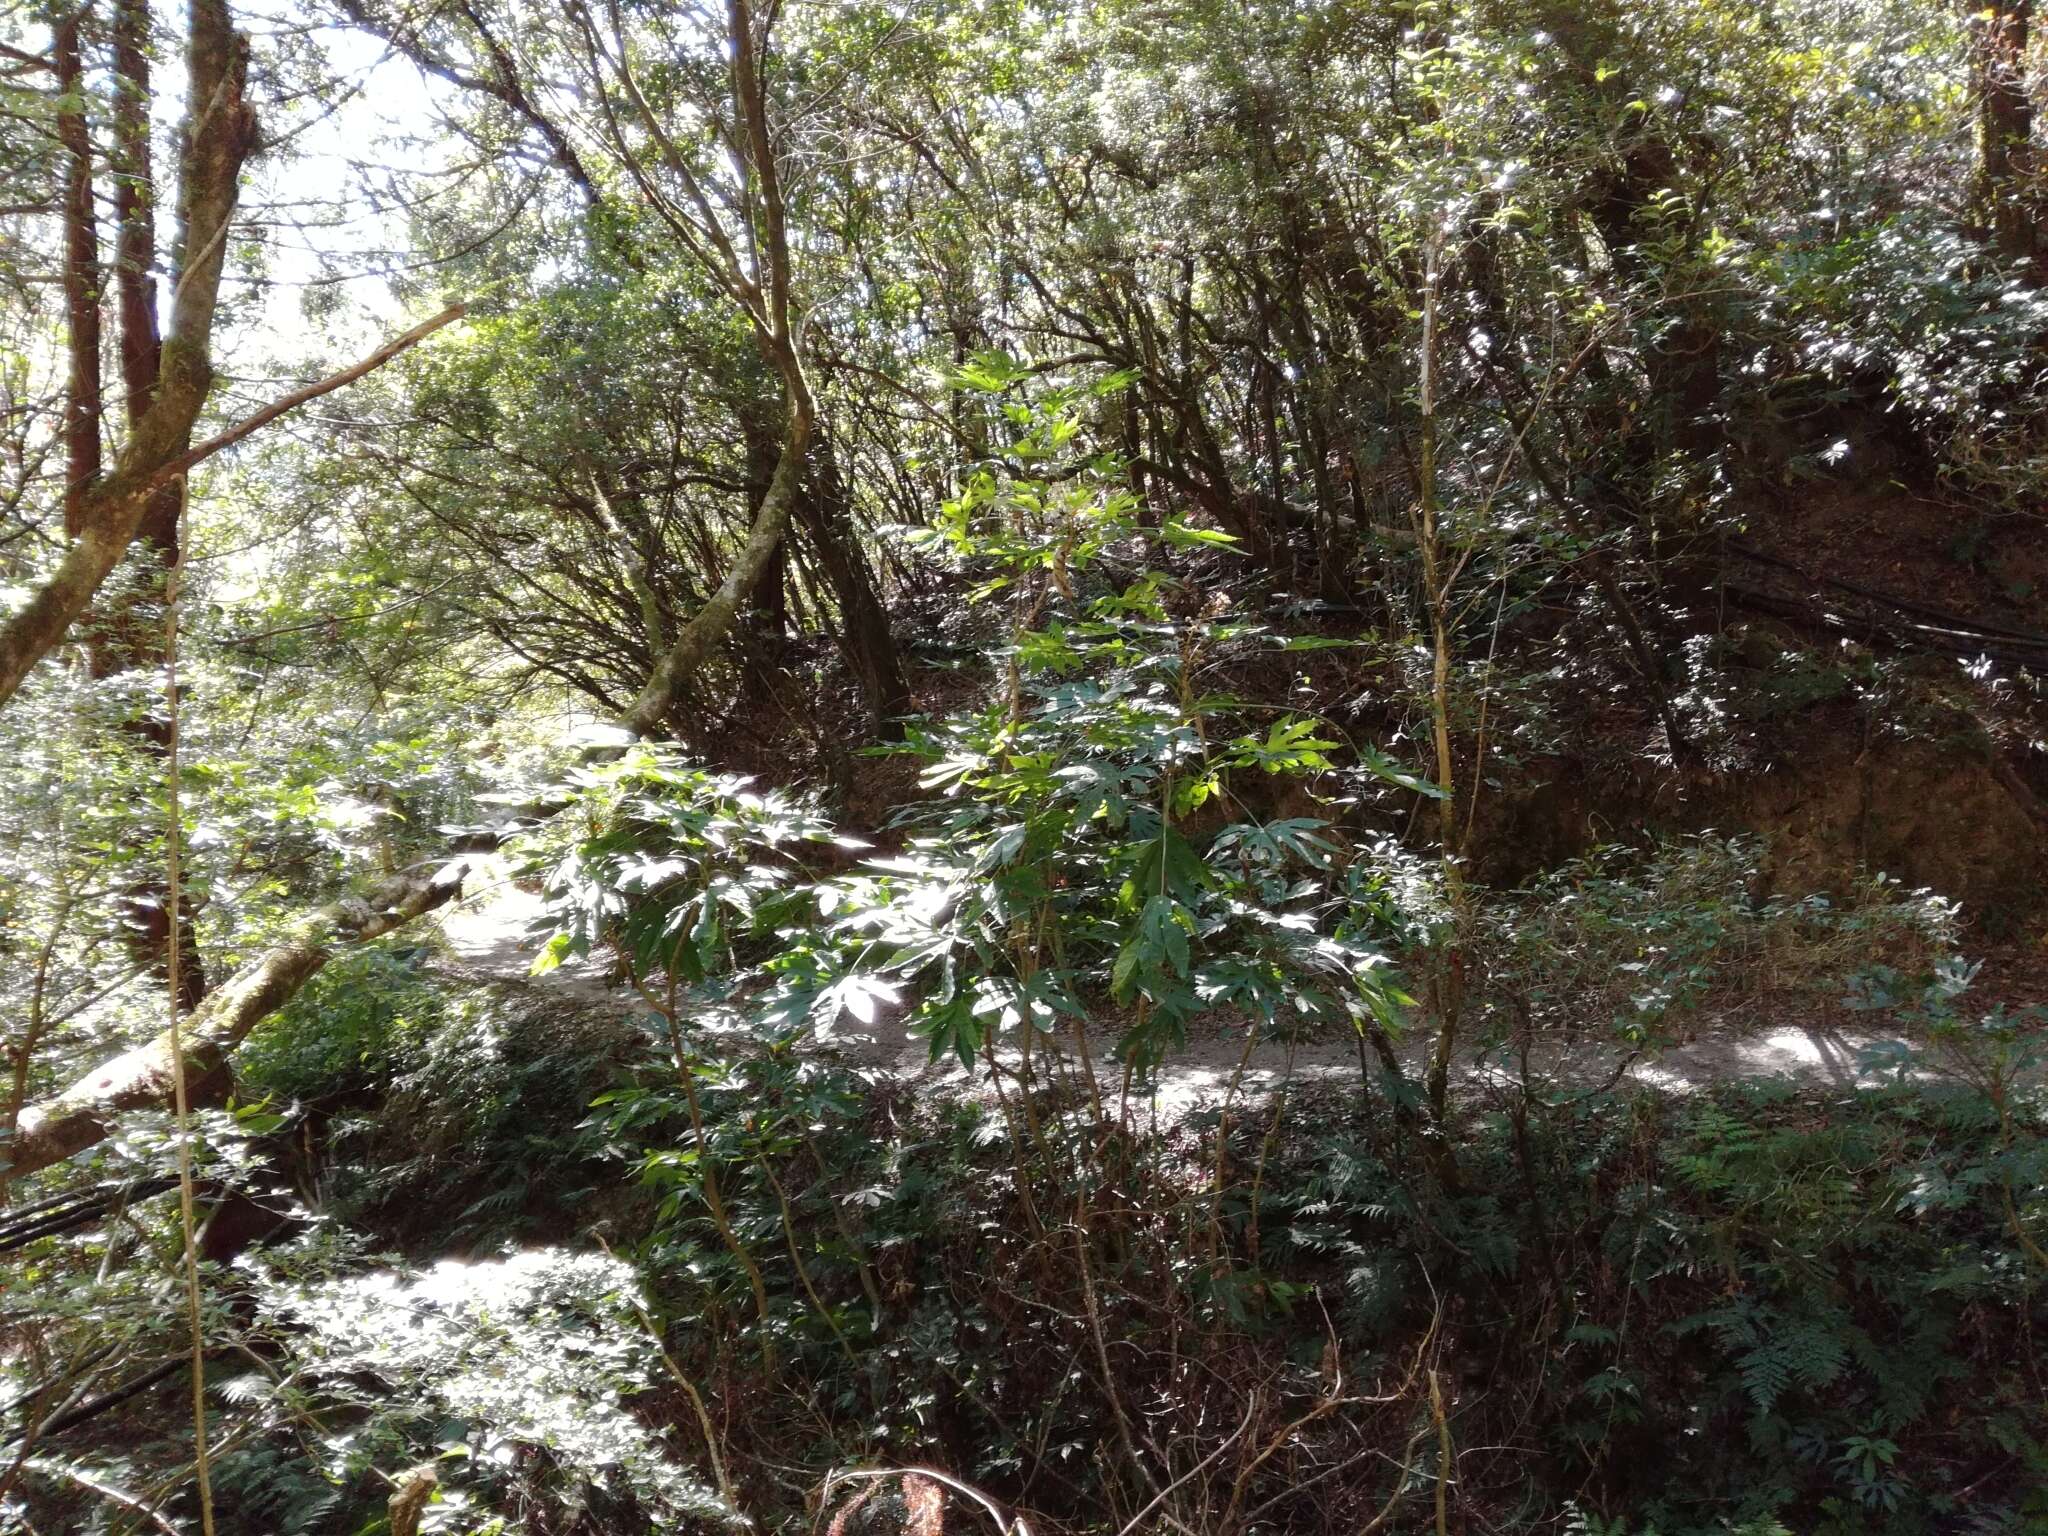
x,y
492,935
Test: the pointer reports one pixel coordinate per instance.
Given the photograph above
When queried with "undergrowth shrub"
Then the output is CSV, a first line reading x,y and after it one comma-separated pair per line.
x,y
479,1137
1675,1315
349,1028
1297,1313
1634,1312
443,1121
1639,939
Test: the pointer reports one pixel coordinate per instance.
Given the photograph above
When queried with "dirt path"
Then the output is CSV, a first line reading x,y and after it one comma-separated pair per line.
x,y
491,936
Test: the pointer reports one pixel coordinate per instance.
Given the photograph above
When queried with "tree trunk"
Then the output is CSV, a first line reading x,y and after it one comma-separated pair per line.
x,y
709,626
2007,195
865,639
131,636
135,284
764,625
81,279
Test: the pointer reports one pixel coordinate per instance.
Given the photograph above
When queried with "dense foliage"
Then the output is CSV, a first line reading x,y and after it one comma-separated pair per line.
x,y
1115,769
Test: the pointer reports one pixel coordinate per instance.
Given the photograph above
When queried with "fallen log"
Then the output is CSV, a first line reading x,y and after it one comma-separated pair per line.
x,y
79,1117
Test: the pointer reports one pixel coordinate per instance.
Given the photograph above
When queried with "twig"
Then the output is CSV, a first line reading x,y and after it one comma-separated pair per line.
x,y
1196,1470
725,1488
1401,1487
1116,1404
1443,1453
335,619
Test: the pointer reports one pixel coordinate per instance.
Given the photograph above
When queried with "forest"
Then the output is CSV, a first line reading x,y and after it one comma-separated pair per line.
x,y
1023,767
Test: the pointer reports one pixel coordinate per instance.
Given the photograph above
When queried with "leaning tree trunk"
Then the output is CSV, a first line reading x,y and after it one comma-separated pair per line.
x,y
712,623
81,1115
763,629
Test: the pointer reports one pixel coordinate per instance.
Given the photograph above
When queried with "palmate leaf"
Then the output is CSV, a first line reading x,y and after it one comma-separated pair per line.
x,y
1125,971
1290,746
953,1027
1097,789
858,994
1003,848
988,372
1269,844
552,954
1157,949
1166,865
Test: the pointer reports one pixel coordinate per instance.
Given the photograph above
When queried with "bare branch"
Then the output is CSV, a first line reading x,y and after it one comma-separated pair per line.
x,y
249,425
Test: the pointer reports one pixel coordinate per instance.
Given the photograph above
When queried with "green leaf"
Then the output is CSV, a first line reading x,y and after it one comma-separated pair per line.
x,y
1183,536
1384,767
552,955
